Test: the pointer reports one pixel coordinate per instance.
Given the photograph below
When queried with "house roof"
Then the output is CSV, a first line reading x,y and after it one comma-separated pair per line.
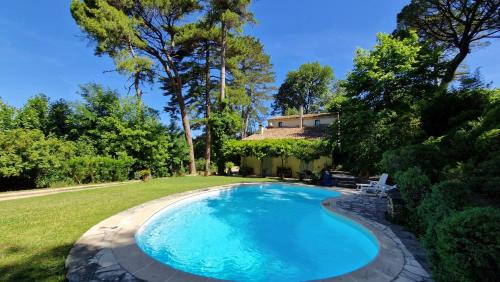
x,y
316,132
306,116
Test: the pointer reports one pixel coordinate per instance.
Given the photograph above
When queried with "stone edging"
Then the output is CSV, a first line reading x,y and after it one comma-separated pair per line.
x,y
108,250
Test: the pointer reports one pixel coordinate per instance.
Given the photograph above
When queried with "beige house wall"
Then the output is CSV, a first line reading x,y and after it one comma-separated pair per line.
x,y
295,164
308,122
253,163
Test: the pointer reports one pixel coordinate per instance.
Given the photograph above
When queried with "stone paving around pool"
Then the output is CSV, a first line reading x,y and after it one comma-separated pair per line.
x,y
107,251
416,266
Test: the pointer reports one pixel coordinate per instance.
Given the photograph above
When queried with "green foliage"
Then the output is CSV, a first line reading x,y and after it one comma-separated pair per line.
x,y
448,111
381,98
34,114
123,31
414,185
58,120
29,158
251,78
200,166
233,14
7,116
100,132
228,166
224,127
457,26
468,246
310,86
394,74
445,199
95,169
426,156
144,174
283,148
364,135
246,170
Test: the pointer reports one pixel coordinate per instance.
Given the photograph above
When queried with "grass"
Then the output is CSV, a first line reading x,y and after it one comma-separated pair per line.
x,y
37,233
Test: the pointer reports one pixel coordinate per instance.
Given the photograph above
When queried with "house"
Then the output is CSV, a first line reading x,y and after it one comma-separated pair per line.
x,y
302,126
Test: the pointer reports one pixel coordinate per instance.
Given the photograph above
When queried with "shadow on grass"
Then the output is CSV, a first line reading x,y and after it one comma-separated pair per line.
x,y
46,265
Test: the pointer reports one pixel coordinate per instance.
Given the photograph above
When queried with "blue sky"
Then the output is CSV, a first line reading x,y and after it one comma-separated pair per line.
x,y
43,51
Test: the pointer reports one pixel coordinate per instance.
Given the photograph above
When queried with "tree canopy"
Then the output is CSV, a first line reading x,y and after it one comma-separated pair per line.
x,y
310,86
455,25
44,142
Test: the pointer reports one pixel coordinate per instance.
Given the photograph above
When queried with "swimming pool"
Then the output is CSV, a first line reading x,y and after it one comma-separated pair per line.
x,y
259,232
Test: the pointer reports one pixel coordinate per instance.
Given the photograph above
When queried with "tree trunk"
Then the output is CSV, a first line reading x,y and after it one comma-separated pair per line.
x,y
186,126
137,86
208,153
138,93
282,174
451,69
245,115
223,65
208,131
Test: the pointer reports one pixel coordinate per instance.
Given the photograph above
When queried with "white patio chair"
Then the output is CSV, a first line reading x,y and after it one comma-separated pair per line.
x,y
375,187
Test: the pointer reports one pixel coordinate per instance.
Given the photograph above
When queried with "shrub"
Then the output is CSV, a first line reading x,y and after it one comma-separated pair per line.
x,y
468,246
79,169
246,170
426,156
200,166
28,154
488,141
445,198
144,174
228,166
99,169
122,167
414,185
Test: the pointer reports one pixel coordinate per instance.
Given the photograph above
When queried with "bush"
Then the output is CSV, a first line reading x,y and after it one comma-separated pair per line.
x,y
228,166
468,246
30,156
99,169
425,156
445,199
200,166
246,170
144,174
413,186
122,167
79,169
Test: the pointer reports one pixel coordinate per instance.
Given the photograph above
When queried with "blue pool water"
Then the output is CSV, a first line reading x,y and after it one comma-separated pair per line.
x,y
261,232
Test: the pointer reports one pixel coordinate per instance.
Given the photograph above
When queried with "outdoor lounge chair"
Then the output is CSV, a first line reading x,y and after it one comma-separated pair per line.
x,y
379,187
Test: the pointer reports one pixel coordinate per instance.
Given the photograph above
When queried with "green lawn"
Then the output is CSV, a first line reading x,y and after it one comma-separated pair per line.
x,y
37,233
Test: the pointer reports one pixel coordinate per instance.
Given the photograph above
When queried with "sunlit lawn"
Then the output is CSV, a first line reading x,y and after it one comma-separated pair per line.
x,y
37,233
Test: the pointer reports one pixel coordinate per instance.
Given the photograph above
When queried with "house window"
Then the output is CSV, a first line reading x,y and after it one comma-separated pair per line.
x,y
316,122
280,124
